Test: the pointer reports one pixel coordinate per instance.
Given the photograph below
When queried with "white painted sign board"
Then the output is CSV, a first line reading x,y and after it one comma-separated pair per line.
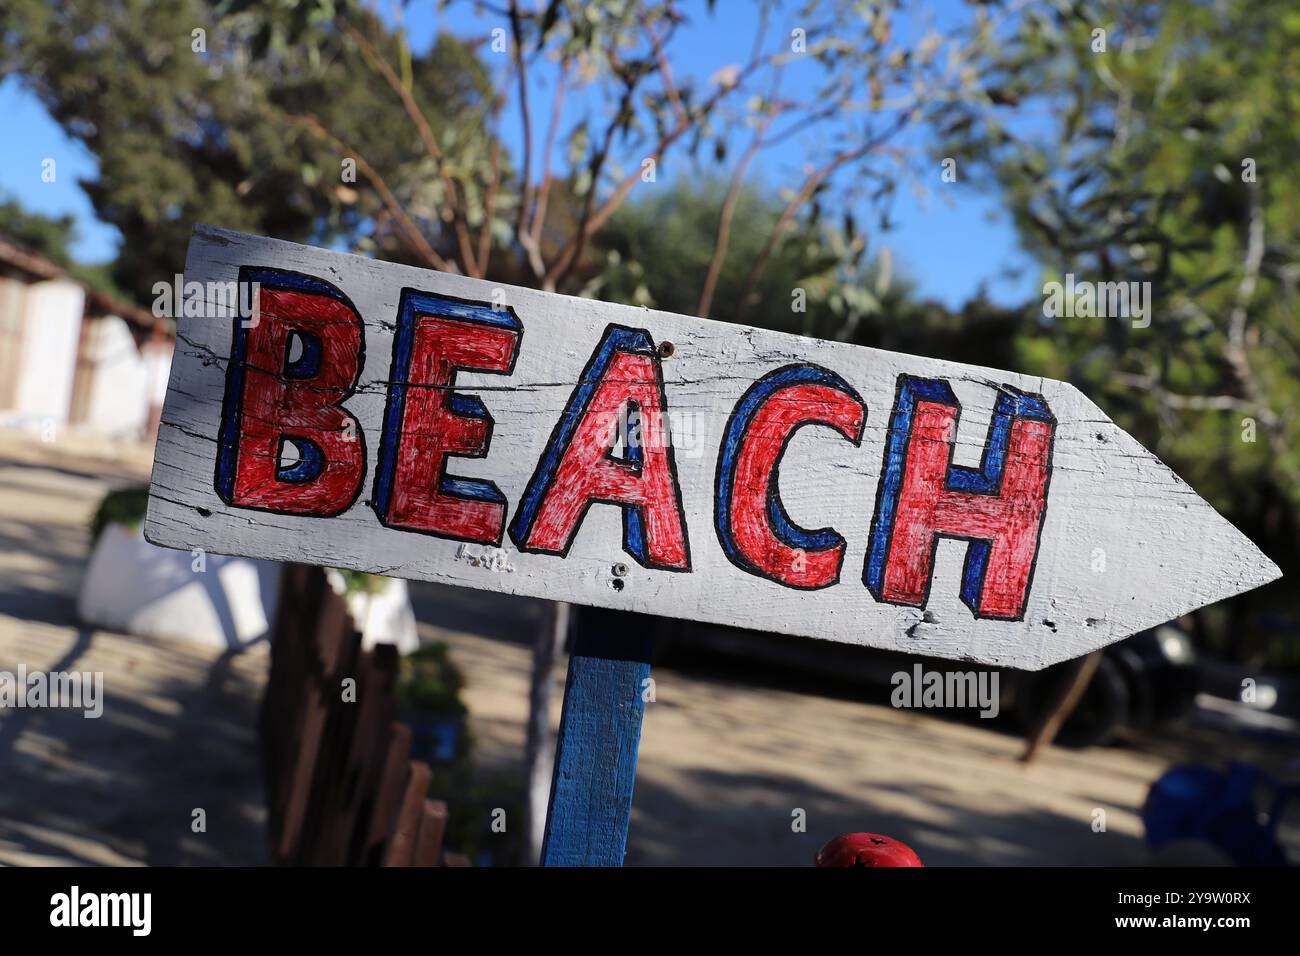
x,y
342,411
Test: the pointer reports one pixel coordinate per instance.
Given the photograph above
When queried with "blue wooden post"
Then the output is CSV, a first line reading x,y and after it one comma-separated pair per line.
x,y
595,753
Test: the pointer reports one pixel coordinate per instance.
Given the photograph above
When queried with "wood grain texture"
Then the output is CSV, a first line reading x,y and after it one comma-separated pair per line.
x,y
433,826
596,750
402,844
1125,544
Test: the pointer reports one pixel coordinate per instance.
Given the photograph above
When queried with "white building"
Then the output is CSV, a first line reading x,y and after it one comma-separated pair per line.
x,y
73,357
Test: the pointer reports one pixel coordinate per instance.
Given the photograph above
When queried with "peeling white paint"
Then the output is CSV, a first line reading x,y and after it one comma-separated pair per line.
x,y
1166,550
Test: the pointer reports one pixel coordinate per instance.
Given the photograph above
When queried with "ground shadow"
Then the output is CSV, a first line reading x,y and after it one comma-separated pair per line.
x,y
127,784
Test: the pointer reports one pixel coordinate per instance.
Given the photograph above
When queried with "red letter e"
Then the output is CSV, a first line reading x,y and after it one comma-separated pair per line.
x,y
426,422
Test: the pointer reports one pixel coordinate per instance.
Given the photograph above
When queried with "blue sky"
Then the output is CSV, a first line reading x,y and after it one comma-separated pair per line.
x,y
30,138
948,248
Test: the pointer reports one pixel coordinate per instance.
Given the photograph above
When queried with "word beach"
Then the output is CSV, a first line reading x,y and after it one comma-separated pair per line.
x,y
381,417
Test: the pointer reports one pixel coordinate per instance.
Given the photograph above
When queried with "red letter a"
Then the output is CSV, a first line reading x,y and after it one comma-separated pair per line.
x,y
623,380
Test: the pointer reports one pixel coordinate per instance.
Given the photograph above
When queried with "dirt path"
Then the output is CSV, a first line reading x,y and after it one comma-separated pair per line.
x,y
177,730
725,766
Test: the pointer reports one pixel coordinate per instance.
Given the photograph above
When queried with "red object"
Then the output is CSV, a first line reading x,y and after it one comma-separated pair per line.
x,y
435,423
272,402
760,548
587,472
866,849
1009,520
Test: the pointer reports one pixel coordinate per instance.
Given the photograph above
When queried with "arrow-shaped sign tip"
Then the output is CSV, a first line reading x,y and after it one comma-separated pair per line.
x,y
1142,546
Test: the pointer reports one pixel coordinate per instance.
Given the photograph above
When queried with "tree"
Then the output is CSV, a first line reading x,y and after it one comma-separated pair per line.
x,y
49,236
1160,153
867,88
246,114
53,237
210,120
656,252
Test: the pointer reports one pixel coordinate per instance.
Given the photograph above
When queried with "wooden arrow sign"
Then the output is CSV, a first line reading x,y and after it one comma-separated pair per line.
x,y
341,411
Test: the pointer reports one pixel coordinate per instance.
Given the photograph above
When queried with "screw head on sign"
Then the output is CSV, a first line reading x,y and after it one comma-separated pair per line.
x,y
620,570
866,849
666,349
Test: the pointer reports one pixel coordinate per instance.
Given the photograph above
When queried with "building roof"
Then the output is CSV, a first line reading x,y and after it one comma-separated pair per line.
x,y
42,268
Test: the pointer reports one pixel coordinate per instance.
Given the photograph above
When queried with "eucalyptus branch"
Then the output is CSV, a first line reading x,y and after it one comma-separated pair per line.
x,y
425,131
489,210
1200,403
666,73
810,186
723,239
531,239
414,236
517,34
568,255
573,252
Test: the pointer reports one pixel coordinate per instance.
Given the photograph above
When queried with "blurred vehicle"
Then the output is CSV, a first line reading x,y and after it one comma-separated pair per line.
x,y
1148,680
1145,681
